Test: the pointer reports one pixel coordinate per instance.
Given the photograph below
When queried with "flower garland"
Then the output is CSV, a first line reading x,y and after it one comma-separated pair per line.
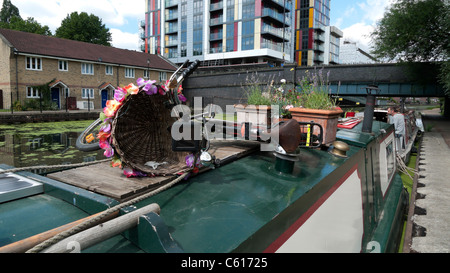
x,y
110,111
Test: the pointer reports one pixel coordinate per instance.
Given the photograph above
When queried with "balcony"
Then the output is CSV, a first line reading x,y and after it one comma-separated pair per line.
x,y
216,36
320,48
216,6
171,43
281,4
171,3
278,32
216,21
275,15
171,15
218,49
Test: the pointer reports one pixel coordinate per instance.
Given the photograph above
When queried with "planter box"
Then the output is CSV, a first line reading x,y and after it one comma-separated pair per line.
x,y
328,119
255,114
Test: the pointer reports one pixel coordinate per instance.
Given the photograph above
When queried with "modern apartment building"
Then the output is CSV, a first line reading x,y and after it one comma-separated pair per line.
x,y
316,42
219,31
241,31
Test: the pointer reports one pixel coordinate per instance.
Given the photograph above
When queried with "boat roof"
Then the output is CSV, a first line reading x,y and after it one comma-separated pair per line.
x,y
356,137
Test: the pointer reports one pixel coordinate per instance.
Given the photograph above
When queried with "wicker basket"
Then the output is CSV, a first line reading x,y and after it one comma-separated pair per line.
x,y
141,133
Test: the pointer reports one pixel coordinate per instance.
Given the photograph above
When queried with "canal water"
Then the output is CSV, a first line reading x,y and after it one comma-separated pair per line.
x,y
49,143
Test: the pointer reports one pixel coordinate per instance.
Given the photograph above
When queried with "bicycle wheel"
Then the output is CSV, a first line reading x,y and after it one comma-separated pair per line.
x,y
82,144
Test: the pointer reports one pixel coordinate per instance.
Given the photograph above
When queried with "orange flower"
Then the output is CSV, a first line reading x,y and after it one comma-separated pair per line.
x,y
132,89
102,136
111,107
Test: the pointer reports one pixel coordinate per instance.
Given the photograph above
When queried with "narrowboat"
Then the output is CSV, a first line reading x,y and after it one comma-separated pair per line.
x,y
345,197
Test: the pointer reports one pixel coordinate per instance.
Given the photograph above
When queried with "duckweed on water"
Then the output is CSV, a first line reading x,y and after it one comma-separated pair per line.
x,y
45,128
49,143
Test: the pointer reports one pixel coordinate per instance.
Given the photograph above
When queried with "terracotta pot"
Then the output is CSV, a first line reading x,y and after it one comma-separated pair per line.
x,y
256,114
328,119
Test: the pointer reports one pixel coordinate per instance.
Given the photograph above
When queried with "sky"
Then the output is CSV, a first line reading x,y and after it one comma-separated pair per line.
x,y
356,18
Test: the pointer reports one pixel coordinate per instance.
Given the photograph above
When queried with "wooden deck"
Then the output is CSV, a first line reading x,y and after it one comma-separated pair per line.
x,y
111,182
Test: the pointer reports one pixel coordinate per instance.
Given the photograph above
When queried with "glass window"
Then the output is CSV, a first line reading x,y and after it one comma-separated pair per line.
x,y
390,159
63,65
32,93
85,92
109,70
129,72
33,63
87,69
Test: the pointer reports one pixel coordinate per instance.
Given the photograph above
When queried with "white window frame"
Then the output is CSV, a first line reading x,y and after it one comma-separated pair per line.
x,y
146,74
162,76
87,69
129,72
34,93
109,67
63,65
33,63
84,93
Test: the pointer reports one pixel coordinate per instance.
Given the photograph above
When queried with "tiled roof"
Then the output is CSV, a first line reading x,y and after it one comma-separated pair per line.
x,y
63,48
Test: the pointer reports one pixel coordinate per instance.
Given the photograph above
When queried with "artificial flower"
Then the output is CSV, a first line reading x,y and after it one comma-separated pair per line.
x,y
111,107
103,136
109,152
128,172
182,98
180,89
190,160
106,127
132,89
116,162
120,94
161,91
148,86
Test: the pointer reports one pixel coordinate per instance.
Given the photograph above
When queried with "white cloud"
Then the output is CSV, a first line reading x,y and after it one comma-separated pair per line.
x,y
370,12
125,40
359,33
118,15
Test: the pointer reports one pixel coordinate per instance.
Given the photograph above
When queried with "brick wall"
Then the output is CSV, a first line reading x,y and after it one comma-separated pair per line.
x,y
72,78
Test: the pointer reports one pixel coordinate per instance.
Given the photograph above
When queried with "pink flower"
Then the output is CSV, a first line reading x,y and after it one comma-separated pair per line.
x,y
109,152
148,88
189,160
128,172
182,98
120,94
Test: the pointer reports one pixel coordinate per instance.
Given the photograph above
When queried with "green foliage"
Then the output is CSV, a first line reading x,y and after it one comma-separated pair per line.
x,y
85,28
8,11
415,31
315,92
30,25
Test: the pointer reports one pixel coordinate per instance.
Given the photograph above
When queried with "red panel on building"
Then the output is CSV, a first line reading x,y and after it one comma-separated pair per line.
x,y
310,38
258,6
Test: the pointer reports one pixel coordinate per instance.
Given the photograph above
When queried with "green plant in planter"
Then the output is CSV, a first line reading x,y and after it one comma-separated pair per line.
x,y
314,92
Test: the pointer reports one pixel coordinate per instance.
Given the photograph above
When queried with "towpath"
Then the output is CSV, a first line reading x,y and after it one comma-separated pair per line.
x,y
431,220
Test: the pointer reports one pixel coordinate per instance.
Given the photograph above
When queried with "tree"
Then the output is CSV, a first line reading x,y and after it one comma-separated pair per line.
x,y
415,31
29,25
85,28
8,11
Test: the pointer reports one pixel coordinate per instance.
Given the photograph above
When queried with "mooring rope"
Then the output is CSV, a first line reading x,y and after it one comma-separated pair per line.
x,y
75,165
403,168
80,227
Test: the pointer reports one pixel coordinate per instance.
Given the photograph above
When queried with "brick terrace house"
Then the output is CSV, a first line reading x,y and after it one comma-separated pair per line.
x,y
78,72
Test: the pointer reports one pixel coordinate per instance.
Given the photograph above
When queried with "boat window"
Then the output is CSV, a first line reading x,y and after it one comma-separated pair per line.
x,y
390,159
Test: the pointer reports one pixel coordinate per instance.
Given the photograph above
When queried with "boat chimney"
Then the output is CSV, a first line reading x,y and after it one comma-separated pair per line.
x,y
371,90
